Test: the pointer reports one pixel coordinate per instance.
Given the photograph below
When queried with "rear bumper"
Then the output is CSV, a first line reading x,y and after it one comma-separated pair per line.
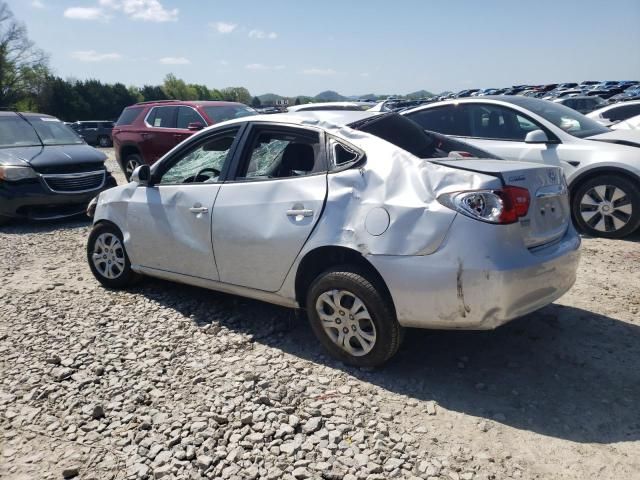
x,y
32,199
480,278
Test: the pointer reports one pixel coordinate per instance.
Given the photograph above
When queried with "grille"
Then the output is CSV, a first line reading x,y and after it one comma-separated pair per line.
x,y
75,182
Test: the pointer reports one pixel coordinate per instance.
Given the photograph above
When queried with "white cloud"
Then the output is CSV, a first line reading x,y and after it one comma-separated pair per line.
x,y
93,56
37,4
224,63
175,61
145,10
223,27
319,71
260,34
85,13
364,74
261,66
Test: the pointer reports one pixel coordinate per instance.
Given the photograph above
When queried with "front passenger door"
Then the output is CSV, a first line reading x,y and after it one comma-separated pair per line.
x,y
170,221
262,218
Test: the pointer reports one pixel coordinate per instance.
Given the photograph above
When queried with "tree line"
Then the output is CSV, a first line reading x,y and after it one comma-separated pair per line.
x,y
28,84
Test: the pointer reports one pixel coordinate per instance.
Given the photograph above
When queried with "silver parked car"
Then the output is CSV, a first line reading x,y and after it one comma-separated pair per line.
x,y
363,219
602,166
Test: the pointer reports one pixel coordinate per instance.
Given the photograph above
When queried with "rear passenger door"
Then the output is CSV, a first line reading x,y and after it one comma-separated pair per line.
x,y
263,216
161,134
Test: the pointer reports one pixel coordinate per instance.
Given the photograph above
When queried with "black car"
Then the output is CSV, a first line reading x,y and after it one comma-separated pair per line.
x,y
46,170
96,132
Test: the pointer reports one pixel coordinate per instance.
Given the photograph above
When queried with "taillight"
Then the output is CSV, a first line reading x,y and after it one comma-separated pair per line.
x,y
502,206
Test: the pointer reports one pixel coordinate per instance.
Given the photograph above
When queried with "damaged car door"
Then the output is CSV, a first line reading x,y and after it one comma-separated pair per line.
x,y
264,215
170,219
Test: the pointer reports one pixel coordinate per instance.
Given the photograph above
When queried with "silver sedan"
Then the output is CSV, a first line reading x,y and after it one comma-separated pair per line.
x,y
362,219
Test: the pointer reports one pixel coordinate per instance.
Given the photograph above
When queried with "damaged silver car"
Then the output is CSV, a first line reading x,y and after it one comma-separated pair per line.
x,y
363,219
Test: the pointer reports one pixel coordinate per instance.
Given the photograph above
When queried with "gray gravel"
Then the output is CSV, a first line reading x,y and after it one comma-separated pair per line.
x,y
168,381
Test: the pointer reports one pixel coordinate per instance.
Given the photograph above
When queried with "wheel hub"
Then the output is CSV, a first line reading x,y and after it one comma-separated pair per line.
x,y
108,256
606,208
346,321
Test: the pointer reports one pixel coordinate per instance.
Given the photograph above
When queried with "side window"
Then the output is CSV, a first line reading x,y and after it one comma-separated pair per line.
x,y
187,115
495,121
282,154
623,113
201,164
343,155
162,117
450,120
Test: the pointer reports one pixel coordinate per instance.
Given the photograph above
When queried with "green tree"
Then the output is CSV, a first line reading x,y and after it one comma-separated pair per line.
x,y
256,103
152,92
236,94
176,88
297,100
22,65
202,92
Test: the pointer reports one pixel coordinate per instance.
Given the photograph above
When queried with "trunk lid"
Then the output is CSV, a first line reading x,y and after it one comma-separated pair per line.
x,y
549,212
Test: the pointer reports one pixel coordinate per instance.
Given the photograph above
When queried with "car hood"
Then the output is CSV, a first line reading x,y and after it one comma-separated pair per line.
x,y
629,138
52,156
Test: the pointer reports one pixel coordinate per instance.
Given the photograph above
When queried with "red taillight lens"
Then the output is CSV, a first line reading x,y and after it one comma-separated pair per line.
x,y
502,206
516,202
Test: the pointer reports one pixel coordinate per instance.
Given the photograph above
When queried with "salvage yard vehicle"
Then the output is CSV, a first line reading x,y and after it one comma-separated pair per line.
x,y
602,166
147,130
361,218
46,170
617,112
94,132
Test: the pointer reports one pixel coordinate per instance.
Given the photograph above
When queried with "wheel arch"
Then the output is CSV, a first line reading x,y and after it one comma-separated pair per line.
x,y
128,149
324,258
597,171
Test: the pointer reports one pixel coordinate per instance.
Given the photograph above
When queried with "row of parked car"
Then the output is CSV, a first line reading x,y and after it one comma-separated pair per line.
x,y
365,219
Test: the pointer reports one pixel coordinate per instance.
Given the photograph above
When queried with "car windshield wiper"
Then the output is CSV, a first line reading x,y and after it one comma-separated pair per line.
x,y
32,126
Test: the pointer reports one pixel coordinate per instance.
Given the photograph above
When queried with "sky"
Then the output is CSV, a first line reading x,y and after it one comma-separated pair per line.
x,y
302,47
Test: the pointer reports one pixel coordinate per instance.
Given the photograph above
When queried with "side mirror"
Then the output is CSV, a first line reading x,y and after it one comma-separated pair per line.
x,y
141,175
536,136
193,126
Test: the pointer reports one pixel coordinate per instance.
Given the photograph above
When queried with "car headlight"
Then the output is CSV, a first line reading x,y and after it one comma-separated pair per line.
x,y
13,173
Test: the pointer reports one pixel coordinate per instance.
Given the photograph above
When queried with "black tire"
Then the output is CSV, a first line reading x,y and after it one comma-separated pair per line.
x,y
4,220
388,332
104,141
123,276
128,162
586,200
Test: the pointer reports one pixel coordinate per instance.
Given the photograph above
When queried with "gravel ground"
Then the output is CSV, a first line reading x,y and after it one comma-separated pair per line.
x,y
169,381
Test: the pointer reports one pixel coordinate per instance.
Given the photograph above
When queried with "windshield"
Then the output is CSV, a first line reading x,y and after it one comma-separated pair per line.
x,y
222,113
15,132
53,132
409,136
562,117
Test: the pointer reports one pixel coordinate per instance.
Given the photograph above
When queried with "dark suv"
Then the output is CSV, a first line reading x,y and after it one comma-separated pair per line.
x,y
146,131
95,132
46,170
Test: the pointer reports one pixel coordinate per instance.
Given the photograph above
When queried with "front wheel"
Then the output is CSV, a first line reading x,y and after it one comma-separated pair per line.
x,y
606,206
352,316
107,257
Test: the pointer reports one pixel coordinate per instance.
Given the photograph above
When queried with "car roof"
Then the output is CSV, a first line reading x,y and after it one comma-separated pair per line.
x,y
295,108
327,119
190,103
8,113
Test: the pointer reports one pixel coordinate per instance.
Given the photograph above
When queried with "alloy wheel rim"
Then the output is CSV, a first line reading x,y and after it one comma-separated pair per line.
x,y
104,142
346,321
131,166
108,256
606,208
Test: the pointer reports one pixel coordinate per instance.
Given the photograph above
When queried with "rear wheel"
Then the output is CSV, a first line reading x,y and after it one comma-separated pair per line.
x,y
352,316
606,206
4,220
131,162
104,141
107,257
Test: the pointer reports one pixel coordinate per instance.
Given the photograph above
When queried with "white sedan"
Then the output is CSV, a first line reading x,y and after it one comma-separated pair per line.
x,y
602,166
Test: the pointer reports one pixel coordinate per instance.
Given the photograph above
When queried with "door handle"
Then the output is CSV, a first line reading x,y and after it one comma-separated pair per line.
x,y
305,212
198,209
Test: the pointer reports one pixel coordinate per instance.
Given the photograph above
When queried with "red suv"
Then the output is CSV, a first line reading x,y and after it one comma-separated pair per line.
x,y
146,131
